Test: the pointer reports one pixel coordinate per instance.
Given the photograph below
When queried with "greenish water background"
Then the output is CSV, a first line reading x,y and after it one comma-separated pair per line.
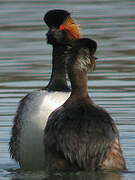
x,y
25,65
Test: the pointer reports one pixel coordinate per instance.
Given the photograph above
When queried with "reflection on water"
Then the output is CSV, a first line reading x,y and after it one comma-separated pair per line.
x,y
25,65
71,176
90,176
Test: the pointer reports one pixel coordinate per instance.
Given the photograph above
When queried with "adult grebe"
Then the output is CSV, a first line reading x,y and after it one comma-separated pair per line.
x,y
80,135
26,143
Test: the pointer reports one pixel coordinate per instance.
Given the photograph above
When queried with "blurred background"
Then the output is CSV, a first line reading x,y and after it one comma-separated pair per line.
x,y
25,65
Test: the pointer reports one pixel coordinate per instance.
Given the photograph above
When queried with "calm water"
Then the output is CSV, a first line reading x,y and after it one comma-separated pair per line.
x,y
25,65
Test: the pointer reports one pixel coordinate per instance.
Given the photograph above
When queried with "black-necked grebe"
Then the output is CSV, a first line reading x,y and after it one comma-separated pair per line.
x,y
79,135
26,142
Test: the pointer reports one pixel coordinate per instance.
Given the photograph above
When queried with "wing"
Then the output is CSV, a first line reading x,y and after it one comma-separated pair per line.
x,y
82,137
114,159
13,145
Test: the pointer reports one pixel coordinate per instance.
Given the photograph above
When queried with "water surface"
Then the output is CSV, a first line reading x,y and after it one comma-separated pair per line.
x,y
25,65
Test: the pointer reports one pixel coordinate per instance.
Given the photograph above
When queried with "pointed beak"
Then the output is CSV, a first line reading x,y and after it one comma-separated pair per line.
x,y
95,58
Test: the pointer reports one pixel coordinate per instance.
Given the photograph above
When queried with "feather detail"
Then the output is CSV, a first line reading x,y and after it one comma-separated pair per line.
x,y
115,159
71,28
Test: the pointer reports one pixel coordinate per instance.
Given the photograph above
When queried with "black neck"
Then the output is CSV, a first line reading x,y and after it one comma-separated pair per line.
x,y
58,77
79,81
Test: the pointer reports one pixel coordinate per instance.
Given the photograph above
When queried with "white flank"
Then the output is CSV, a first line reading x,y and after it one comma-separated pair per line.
x,y
35,112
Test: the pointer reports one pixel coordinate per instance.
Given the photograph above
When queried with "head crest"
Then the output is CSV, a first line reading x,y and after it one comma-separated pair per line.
x,y
61,20
54,18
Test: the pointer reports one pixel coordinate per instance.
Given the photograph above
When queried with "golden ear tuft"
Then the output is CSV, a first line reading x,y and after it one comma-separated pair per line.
x,y
71,28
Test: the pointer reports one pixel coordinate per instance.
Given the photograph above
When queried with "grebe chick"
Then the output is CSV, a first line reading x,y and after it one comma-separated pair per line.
x,y
26,142
79,135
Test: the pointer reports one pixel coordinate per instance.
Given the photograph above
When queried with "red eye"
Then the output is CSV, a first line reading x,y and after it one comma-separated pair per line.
x,y
61,27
